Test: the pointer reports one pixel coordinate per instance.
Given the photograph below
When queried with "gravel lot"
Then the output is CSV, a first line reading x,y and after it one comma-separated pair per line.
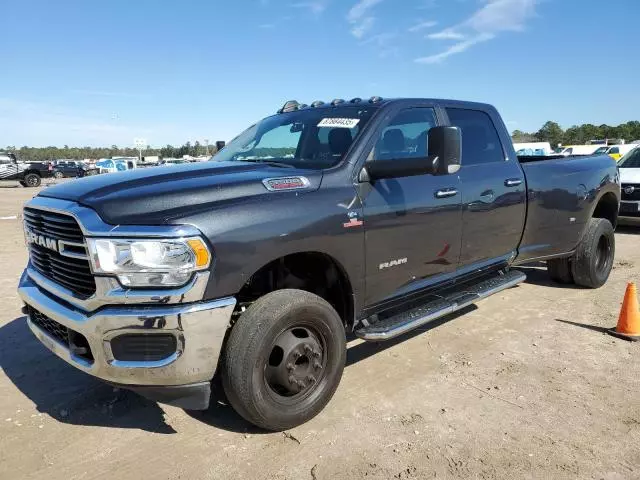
x,y
525,385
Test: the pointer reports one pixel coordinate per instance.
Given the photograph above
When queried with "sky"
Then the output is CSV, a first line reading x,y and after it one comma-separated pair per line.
x,y
104,72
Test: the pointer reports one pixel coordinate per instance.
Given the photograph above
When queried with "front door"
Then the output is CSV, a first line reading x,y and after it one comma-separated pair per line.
x,y
412,224
493,186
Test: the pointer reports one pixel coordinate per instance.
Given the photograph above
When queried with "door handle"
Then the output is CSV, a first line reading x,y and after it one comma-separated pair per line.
x,y
446,192
512,182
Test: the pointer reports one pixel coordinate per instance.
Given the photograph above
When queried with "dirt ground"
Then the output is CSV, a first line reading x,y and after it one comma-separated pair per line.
x,y
525,385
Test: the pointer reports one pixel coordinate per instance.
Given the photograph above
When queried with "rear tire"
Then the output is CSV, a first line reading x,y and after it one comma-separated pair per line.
x,y
559,270
284,359
58,175
32,180
593,260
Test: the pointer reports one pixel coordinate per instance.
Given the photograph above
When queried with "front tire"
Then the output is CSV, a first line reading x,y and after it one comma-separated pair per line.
x,y
58,175
593,260
32,180
284,359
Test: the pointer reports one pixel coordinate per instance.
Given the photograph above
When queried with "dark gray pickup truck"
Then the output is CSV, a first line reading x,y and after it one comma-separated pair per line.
x,y
368,217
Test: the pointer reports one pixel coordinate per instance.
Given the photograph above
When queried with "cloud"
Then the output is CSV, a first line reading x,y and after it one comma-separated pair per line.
x,y
360,19
456,48
486,23
360,29
381,39
447,34
361,8
316,7
422,26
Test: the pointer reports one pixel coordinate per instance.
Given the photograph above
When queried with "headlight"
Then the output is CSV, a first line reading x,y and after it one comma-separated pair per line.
x,y
149,263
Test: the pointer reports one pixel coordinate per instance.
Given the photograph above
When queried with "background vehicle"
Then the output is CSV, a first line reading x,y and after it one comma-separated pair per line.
x,y
27,174
68,169
615,151
112,165
533,148
576,150
374,217
629,167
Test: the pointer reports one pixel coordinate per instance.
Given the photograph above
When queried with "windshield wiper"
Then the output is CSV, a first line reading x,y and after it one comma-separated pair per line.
x,y
268,162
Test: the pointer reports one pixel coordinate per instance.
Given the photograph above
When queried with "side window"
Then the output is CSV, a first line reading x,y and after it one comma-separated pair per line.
x,y
614,150
405,136
480,140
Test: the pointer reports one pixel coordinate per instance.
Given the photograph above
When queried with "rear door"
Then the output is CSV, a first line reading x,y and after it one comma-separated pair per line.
x,y
412,224
493,191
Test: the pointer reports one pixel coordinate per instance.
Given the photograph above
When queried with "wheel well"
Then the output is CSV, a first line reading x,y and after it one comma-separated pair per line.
x,y
35,172
310,271
607,208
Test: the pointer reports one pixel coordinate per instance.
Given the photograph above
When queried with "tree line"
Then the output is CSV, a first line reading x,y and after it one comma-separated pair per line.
x,y
550,132
553,133
44,154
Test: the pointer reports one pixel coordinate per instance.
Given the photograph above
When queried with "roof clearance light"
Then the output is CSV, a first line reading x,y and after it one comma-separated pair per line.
x,y
355,100
285,183
317,103
337,101
375,99
290,106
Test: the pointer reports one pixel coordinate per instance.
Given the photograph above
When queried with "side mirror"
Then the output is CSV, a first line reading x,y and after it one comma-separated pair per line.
x,y
445,143
399,167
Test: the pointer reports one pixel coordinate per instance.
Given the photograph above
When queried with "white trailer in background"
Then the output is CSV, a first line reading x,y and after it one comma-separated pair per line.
x,y
532,148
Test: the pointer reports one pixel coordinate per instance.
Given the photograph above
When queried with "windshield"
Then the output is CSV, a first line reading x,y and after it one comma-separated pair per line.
x,y
308,138
631,159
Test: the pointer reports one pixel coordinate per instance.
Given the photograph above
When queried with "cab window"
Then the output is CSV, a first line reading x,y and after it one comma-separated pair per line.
x,y
480,140
405,136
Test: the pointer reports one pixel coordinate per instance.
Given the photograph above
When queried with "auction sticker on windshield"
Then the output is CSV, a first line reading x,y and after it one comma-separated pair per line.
x,y
339,122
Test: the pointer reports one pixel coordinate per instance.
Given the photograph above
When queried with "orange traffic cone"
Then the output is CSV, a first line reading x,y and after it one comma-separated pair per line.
x,y
629,321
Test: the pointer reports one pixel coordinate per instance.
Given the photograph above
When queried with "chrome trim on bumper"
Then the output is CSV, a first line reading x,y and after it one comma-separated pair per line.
x,y
199,327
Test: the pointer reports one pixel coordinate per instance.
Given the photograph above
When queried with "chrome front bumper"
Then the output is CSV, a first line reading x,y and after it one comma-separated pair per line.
x,y
199,327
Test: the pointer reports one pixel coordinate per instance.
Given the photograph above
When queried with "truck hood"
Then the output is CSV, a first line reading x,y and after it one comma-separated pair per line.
x,y
629,175
155,195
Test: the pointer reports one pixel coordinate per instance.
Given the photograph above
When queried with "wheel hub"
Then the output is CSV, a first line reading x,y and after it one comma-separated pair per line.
x,y
295,363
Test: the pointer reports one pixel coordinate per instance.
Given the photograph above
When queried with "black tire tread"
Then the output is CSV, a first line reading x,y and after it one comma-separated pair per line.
x,y
251,327
559,270
585,253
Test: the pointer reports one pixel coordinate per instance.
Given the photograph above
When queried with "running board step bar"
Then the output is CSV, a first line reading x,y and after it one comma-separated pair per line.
x,y
452,300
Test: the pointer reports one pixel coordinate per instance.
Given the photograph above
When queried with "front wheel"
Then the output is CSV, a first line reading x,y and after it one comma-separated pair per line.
x,y
58,175
284,359
593,260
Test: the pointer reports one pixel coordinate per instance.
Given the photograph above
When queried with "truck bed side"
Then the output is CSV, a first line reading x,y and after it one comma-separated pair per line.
x,y
562,195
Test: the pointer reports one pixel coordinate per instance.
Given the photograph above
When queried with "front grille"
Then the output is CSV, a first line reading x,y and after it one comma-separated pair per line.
x,y
143,347
53,328
74,341
69,271
635,195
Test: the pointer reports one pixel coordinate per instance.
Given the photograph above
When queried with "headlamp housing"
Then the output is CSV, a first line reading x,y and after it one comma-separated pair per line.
x,y
149,263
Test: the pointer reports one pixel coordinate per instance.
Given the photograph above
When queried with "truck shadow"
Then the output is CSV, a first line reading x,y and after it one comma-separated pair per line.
x,y
69,395
537,275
